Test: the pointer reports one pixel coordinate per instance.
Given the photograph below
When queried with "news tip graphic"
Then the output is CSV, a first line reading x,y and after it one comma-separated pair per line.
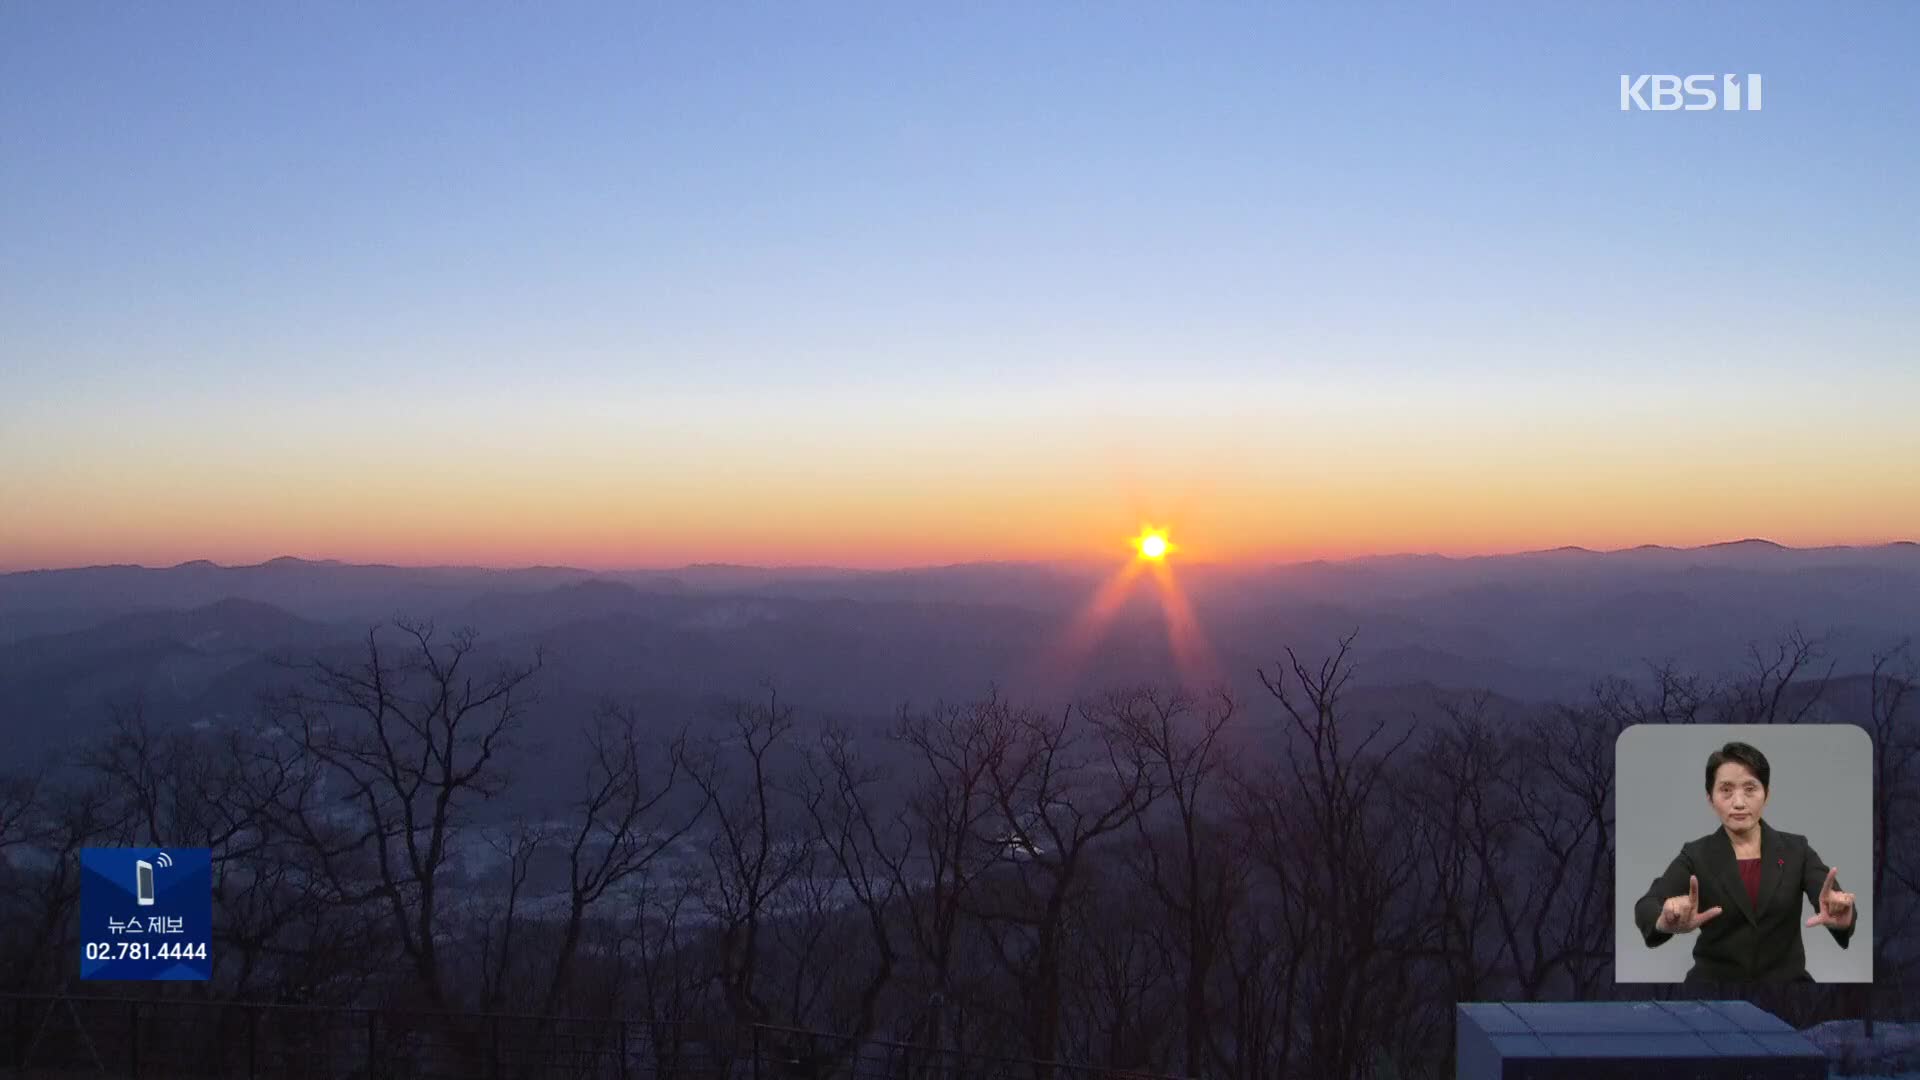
x,y
146,913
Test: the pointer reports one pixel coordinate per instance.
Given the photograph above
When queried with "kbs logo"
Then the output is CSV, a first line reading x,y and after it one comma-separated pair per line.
x,y
1692,93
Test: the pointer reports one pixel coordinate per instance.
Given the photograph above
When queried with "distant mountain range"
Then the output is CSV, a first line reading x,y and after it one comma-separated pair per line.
x,y
196,639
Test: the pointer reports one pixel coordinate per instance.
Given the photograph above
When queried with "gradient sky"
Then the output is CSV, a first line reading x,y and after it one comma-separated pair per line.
x,y
890,284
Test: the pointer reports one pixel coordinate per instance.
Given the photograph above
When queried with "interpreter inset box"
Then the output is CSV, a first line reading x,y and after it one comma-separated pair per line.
x,y
1743,853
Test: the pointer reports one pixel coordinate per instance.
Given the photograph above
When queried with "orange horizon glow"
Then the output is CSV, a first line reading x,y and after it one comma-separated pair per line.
x,y
500,515
1251,475
609,558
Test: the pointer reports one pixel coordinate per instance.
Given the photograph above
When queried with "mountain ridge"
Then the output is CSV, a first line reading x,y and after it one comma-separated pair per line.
x,y
294,561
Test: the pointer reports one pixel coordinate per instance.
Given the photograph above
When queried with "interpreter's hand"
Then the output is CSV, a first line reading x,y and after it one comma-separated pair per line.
x,y
1681,914
1836,907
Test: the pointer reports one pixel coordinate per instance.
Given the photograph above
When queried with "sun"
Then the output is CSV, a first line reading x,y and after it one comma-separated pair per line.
x,y
1152,544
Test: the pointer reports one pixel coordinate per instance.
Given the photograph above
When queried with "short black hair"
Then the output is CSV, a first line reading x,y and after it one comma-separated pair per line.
x,y
1740,754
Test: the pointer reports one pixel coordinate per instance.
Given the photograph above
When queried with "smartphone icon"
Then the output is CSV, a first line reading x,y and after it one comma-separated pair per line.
x,y
143,884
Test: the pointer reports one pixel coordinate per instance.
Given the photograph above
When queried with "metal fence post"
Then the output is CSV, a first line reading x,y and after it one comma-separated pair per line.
x,y
756,1052
623,1050
253,1039
373,1044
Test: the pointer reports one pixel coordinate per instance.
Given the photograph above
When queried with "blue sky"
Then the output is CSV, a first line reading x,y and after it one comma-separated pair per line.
x,y
347,216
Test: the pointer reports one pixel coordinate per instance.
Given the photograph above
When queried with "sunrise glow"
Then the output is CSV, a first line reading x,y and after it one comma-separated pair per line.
x,y
1193,653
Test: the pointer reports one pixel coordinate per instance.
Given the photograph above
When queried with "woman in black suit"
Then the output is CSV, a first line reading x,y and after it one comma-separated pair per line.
x,y
1754,869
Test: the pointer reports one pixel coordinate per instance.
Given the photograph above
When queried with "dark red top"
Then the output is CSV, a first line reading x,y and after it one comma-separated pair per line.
x,y
1750,877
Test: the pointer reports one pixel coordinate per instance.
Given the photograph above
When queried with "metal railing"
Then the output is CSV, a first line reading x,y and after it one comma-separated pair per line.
x,y
160,1038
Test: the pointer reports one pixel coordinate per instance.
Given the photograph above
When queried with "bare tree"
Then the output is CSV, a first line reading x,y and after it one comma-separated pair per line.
x,y
1896,797
1265,975
944,846
1677,697
21,798
804,952
517,845
1060,789
841,797
1772,690
399,746
755,850
1466,833
1187,860
1124,1001
43,909
213,789
1568,806
624,821
1524,812
1345,864
657,955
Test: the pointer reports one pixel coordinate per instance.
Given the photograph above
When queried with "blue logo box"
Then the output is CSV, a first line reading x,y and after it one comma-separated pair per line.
x,y
146,913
